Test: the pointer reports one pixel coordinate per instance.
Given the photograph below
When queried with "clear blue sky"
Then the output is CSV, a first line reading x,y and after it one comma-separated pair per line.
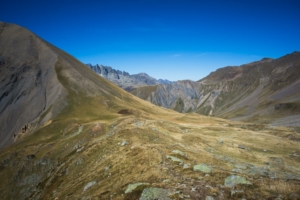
x,y
170,39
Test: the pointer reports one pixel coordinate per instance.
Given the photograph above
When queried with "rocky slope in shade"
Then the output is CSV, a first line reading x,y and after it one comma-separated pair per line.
x,y
266,89
124,79
100,142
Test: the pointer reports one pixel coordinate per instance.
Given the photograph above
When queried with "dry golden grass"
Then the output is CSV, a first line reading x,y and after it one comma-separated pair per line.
x,y
283,187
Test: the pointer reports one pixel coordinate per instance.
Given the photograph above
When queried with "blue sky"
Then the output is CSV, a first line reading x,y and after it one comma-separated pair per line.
x,y
169,39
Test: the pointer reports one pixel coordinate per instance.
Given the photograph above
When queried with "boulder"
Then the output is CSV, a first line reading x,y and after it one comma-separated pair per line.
x,y
175,159
89,184
155,193
178,152
203,168
233,180
124,143
135,186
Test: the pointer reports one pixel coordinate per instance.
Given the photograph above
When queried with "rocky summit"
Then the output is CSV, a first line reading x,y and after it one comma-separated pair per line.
x,y
266,91
68,133
124,79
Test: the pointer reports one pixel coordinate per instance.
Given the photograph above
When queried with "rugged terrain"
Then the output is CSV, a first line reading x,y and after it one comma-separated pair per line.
x,y
267,91
124,79
92,140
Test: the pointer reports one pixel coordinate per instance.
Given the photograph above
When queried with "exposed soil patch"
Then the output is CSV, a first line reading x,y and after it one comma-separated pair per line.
x,y
126,112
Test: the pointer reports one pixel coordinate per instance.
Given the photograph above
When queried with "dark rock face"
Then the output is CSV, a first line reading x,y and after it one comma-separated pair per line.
x,y
239,93
124,79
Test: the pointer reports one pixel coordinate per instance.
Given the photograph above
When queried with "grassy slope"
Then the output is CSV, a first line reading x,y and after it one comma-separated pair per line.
x,y
58,160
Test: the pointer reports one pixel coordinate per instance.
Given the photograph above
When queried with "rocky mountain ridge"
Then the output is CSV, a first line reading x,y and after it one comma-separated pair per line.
x,y
124,79
247,92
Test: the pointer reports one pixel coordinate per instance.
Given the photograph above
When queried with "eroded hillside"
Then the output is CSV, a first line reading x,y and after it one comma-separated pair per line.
x,y
267,90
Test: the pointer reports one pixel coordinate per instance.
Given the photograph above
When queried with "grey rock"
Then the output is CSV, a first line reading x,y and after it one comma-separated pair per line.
x,y
139,124
135,186
175,159
208,186
178,152
237,170
186,166
88,185
209,198
240,166
233,180
258,171
155,193
203,168
124,143
241,146
220,141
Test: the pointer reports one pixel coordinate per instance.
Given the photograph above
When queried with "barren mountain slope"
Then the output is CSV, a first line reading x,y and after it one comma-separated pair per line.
x,y
267,89
28,83
96,141
37,80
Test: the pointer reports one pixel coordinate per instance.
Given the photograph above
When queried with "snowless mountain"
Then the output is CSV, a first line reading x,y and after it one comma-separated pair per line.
x,y
124,79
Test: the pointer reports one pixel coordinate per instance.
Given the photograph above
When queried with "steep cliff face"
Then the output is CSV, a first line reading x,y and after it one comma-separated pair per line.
x,y
247,92
124,79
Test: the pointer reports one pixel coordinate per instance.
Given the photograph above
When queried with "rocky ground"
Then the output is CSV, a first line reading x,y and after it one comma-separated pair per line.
x,y
179,157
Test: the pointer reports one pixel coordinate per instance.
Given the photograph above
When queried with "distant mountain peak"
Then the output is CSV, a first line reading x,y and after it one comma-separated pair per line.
x,y
124,79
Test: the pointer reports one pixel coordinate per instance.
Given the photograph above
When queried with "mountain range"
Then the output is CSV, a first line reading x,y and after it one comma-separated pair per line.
x,y
268,90
124,79
68,133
